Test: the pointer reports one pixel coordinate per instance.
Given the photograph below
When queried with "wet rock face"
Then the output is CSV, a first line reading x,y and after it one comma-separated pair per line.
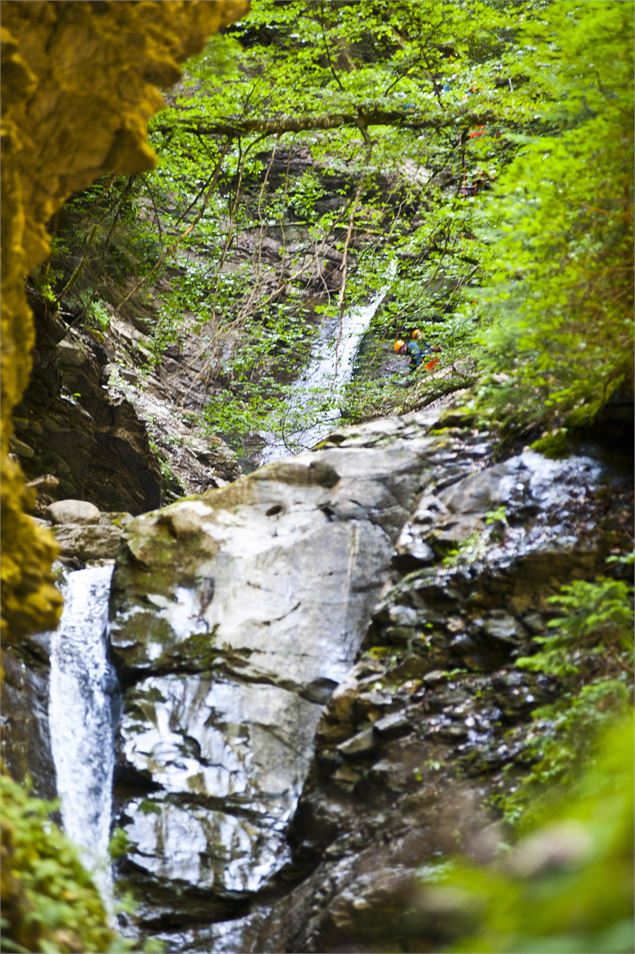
x,y
234,615
237,616
25,739
415,739
229,761
101,440
171,401
69,425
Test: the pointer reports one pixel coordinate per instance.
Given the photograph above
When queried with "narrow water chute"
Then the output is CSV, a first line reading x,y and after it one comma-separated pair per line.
x,y
81,710
312,407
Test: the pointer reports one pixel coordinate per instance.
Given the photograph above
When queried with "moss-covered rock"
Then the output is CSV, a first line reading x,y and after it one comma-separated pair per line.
x,y
59,133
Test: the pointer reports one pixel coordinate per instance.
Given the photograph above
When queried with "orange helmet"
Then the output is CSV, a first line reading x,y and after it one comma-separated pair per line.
x,y
416,334
398,345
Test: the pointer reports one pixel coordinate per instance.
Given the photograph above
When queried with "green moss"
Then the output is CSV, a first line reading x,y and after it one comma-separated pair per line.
x,y
554,444
147,807
49,902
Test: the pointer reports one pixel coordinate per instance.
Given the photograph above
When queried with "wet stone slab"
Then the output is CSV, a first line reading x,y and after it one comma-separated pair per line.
x,y
234,616
184,845
246,745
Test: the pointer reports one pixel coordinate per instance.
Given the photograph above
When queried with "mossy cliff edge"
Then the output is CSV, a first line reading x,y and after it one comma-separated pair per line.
x,y
78,87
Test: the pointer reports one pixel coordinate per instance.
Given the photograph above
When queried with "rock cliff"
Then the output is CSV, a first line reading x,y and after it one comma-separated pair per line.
x,y
122,447
236,619
234,616
59,133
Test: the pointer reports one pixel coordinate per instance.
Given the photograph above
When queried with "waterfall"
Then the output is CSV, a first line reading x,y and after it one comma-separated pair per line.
x,y
312,407
81,719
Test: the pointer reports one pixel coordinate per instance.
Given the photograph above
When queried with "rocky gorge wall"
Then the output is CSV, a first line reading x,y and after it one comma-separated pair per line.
x,y
100,443
319,690
276,794
317,661
59,133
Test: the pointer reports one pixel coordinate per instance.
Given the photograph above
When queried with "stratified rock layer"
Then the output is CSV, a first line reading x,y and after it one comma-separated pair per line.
x,y
70,425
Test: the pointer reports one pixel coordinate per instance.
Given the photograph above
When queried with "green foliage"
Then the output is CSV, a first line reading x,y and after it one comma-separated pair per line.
x,y
118,844
557,229
496,520
554,444
567,886
494,517
96,312
340,191
367,399
497,176
49,902
101,238
242,413
560,742
598,619
590,652
467,551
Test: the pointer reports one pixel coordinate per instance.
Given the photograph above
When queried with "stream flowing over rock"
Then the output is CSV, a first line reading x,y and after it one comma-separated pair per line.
x,y
81,716
279,792
330,368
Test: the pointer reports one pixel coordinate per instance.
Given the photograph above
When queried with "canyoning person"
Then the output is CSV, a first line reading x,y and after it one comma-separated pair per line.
x,y
411,349
475,182
429,352
470,92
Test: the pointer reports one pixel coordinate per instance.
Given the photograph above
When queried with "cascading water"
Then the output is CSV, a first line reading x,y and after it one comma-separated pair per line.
x,y
81,699
312,406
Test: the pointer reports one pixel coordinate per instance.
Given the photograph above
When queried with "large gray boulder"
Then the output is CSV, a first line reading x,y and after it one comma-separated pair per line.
x,y
234,616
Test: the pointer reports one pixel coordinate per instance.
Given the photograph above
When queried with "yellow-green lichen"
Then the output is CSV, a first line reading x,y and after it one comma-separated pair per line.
x,y
78,87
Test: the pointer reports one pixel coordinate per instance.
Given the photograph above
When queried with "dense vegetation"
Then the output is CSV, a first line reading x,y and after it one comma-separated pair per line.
x,y
567,886
50,903
486,150
568,798
556,302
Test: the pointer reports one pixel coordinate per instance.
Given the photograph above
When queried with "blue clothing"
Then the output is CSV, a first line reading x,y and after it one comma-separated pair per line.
x,y
415,354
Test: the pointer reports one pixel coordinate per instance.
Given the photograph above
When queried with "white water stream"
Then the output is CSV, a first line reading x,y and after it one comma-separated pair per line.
x,y
313,406
81,719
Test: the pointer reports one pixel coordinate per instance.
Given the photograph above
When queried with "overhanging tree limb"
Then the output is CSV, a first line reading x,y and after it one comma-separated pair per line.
x,y
239,126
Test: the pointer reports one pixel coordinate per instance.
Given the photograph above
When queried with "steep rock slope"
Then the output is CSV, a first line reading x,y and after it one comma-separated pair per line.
x,y
119,442
237,613
234,615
